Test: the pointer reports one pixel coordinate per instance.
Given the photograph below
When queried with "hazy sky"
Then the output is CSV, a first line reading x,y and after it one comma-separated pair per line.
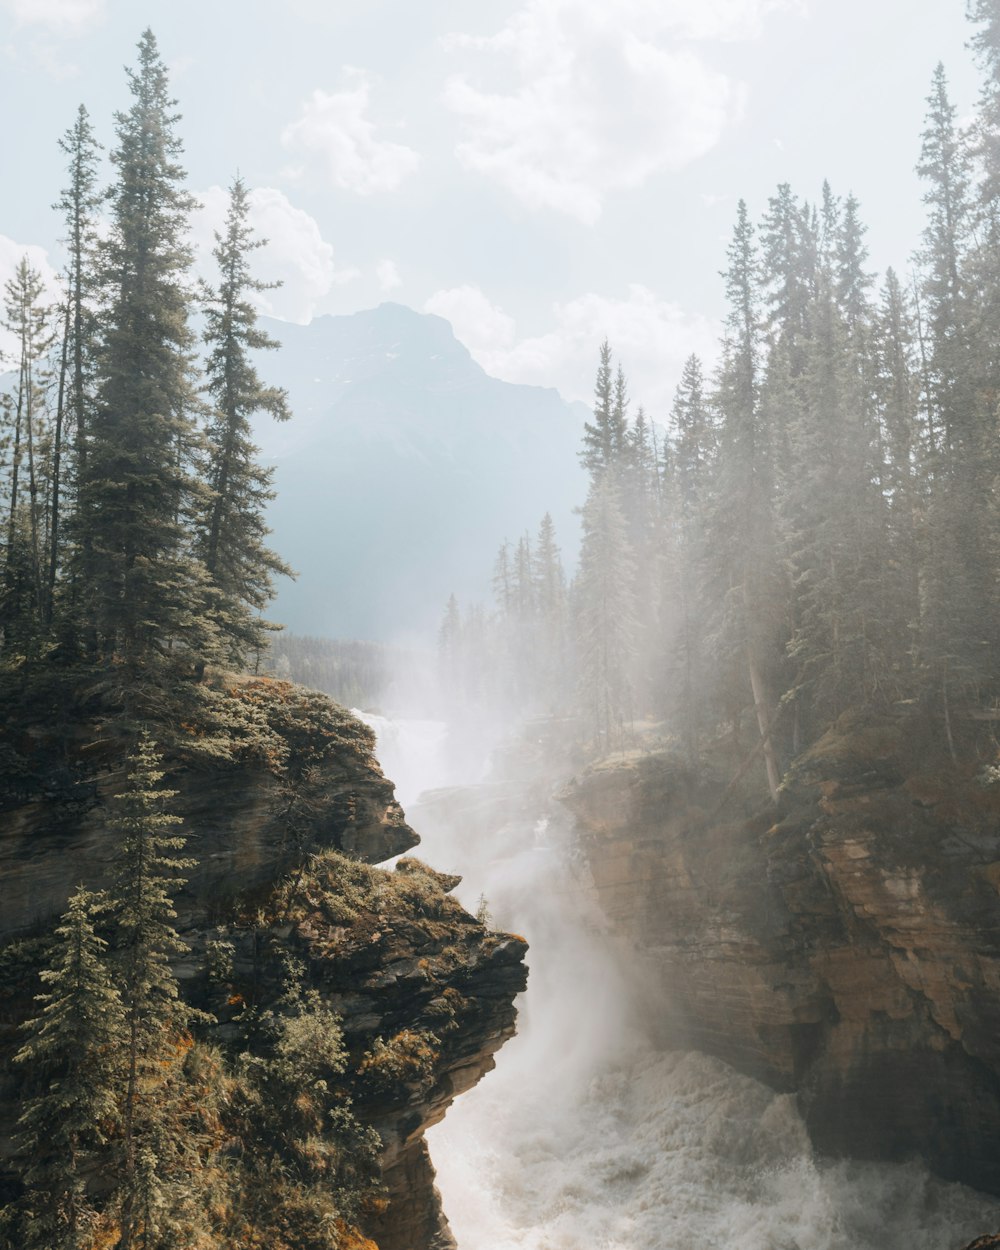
x,y
541,172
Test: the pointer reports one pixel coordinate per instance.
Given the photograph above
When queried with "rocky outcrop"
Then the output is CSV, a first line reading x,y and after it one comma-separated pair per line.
x,y
247,819
285,870
426,998
846,947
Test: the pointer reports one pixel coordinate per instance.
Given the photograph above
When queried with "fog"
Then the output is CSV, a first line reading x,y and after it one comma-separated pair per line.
x,y
587,1134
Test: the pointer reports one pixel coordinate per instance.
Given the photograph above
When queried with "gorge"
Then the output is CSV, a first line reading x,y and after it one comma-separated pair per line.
x,y
630,1110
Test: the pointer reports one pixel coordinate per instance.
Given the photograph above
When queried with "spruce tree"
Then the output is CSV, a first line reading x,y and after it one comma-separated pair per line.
x,y
155,1018
903,485
694,450
143,590
79,203
549,582
746,574
28,318
959,631
605,613
73,1055
232,535
603,438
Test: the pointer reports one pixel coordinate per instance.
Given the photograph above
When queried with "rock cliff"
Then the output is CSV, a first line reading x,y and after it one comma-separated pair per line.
x,y
845,946
285,871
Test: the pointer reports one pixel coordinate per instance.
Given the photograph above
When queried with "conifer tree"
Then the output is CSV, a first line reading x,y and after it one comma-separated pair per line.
x,y
605,613
944,167
959,632
788,264
79,204
604,437
143,589
74,1055
28,319
692,464
851,281
503,580
155,1018
549,583
903,448
743,539
232,535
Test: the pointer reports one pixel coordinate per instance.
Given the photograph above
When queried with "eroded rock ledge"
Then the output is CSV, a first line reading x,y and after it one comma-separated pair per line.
x,y
286,856
846,947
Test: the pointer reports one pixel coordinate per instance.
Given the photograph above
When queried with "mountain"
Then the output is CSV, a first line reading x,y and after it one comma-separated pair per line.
x,y
404,469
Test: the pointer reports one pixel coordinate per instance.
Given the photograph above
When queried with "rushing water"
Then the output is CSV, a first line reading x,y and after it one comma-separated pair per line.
x,y
586,1137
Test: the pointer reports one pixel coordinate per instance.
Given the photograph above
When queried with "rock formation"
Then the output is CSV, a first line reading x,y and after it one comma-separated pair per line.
x,y
424,992
845,946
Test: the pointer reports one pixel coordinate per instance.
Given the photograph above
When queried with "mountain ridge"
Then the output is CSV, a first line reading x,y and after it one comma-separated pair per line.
x,y
397,431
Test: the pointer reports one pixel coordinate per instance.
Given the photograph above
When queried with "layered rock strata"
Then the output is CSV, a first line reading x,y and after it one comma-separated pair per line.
x,y
425,993
845,947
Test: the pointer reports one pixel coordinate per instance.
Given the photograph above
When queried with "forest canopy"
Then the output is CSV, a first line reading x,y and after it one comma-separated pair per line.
x,y
817,530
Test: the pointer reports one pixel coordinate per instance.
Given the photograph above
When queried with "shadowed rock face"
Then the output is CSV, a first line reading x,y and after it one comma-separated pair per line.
x,y
234,817
398,959
294,771
846,947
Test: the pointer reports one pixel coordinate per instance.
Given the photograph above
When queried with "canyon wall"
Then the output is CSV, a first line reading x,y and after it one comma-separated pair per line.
x,y
845,945
285,871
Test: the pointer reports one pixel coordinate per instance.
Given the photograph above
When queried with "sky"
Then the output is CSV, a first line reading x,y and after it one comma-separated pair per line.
x,y
542,173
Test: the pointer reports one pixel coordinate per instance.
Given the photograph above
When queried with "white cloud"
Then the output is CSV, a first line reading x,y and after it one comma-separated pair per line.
x,y
11,254
589,98
485,330
62,17
388,274
334,131
651,336
296,254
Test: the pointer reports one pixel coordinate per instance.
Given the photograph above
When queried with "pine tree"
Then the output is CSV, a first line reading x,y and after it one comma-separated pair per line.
x,y
986,43
155,1018
79,203
851,281
231,539
74,1055
503,583
604,437
694,450
788,265
605,613
896,393
944,167
959,632
28,319
143,591
549,583
743,541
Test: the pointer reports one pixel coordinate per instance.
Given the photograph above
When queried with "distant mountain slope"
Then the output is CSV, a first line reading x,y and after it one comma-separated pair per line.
x,y
403,470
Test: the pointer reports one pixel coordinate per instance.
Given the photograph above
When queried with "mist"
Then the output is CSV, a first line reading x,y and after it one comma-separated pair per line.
x,y
611,425
589,1132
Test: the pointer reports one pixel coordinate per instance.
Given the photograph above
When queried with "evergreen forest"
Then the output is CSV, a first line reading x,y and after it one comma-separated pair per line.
x,y
815,534
810,537
135,570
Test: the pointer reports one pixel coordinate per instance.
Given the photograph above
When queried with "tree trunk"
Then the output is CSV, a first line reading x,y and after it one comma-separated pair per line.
x,y
761,703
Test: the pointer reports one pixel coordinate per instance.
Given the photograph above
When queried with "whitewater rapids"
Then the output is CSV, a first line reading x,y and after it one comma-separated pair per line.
x,y
587,1137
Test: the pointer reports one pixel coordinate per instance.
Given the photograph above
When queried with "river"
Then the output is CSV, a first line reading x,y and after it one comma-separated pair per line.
x,y
588,1137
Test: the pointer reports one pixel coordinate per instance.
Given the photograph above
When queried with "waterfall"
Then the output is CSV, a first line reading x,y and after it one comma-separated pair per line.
x,y
587,1137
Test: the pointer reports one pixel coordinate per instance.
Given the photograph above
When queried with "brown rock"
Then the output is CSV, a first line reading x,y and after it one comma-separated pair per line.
x,y
849,952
